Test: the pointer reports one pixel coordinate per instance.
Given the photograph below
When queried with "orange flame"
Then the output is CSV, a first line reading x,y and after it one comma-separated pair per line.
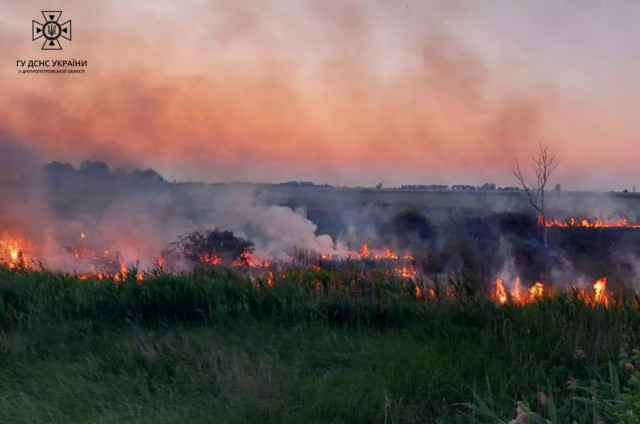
x,y
364,251
600,296
536,291
406,272
418,291
499,293
247,259
517,295
585,223
211,259
15,251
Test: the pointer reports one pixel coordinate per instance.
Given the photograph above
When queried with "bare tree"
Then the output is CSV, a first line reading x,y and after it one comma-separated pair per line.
x,y
543,163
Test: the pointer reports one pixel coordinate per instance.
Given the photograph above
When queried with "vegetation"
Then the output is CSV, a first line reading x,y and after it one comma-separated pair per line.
x,y
312,346
211,244
544,163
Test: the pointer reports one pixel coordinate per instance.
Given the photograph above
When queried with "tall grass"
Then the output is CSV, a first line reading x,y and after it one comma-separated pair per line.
x,y
347,345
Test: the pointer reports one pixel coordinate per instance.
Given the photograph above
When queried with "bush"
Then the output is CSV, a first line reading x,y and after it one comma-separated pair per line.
x,y
411,225
212,243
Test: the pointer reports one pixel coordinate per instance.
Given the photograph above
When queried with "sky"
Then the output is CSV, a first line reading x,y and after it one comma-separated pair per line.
x,y
348,92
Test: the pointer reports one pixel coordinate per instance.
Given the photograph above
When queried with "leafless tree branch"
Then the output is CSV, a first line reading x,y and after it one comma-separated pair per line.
x,y
543,164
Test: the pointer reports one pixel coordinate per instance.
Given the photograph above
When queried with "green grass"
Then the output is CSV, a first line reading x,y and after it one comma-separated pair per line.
x,y
214,346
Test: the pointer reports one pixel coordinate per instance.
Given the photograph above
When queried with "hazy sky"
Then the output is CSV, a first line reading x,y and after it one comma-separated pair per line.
x,y
339,91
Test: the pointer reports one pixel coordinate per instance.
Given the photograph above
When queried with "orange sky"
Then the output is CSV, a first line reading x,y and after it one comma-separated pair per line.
x,y
346,92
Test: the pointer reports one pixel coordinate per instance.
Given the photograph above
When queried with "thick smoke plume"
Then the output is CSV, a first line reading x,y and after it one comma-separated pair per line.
x,y
130,216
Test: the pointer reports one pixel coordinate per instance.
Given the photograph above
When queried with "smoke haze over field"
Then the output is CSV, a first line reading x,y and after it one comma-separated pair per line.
x,y
345,92
349,93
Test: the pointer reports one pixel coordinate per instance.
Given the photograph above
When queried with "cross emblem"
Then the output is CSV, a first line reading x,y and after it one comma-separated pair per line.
x,y
51,30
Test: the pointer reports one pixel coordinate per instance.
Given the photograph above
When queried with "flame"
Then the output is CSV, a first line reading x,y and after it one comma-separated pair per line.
x,y
536,291
517,295
499,293
16,252
600,296
121,275
586,223
247,259
406,272
210,259
364,251
520,296
418,292
160,262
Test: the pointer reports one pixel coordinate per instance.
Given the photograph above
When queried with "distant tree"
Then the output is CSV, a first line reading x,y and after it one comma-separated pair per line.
x,y
149,175
58,169
557,187
379,186
411,224
488,186
59,174
543,163
222,244
94,168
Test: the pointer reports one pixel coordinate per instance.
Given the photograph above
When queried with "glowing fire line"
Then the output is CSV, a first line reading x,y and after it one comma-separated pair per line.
x,y
519,296
585,223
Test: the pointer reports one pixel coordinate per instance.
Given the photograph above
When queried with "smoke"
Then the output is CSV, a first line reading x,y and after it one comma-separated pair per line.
x,y
93,216
331,90
275,229
23,201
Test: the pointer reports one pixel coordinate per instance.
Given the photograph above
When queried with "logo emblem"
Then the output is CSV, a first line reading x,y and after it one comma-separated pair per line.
x,y
51,30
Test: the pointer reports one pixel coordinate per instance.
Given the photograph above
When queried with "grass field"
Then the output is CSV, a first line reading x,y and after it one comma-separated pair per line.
x,y
215,346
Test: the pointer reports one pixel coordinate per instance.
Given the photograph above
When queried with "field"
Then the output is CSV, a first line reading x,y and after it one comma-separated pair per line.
x,y
218,346
138,300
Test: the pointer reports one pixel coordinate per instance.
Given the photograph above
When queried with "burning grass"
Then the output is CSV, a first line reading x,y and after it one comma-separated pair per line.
x,y
361,338
219,344
586,223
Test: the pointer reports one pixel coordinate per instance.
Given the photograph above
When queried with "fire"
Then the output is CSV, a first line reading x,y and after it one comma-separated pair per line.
x,y
536,291
600,296
520,296
517,295
15,252
499,293
418,292
160,262
122,273
211,259
585,223
405,272
364,251
247,259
